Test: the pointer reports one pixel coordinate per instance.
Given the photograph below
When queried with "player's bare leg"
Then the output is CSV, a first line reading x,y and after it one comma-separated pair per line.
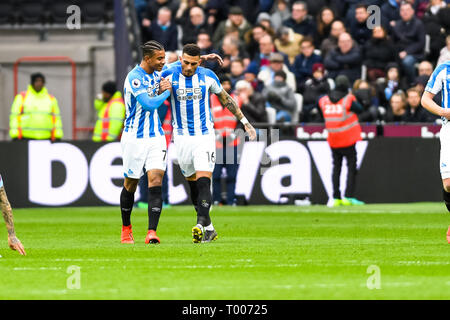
x,y
155,177
204,230
13,242
446,192
126,206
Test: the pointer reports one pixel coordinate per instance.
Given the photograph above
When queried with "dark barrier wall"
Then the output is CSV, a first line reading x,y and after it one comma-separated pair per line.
x,y
41,173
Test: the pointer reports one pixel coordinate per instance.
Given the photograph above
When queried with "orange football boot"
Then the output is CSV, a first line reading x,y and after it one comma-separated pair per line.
x,y
152,237
448,235
127,235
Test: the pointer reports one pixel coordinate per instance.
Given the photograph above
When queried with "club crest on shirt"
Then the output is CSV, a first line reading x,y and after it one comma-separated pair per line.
x,y
136,83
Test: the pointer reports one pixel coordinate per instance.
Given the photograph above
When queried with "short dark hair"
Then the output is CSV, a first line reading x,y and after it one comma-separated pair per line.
x,y
224,78
361,6
109,87
149,48
191,49
36,76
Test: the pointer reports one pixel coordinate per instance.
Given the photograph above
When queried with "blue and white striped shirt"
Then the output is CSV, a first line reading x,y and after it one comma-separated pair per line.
x,y
440,81
138,122
191,112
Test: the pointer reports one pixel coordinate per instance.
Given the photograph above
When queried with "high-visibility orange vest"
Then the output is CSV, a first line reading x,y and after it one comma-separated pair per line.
x,y
341,123
103,130
224,121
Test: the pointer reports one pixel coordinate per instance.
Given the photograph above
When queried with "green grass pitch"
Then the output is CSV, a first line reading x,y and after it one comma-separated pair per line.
x,y
263,252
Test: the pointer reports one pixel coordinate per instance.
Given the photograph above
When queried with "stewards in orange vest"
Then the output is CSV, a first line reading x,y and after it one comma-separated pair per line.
x,y
339,110
226,145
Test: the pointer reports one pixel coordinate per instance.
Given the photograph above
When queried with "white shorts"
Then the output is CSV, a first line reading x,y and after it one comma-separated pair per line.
x,y
444,163
137,154
195,153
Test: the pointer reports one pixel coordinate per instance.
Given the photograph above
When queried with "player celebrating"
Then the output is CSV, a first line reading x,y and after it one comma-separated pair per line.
x,y
143,142
13,242
440,82
193,130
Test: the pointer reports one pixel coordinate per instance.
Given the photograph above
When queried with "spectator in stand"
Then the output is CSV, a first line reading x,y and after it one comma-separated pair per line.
x,y
445,52
281,97
288,42
205,44
251,76
304,62
345,60
358,25
414,110
433,27
267,75
164,31
409,37
253,103
366,95
330,43
280,13
266,47
235,19
391,84
182,15
300,21
237,71
397,108
425,68
216,12
264,20
390,11
231,50
151,14
312,90
252,38
324,21
377,53
195,24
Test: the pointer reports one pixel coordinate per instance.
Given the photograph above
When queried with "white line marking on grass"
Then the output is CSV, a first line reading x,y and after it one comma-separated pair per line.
x,y
36,268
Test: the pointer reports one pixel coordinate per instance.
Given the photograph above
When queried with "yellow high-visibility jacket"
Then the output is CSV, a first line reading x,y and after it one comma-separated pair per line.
x,y
111,115
35,115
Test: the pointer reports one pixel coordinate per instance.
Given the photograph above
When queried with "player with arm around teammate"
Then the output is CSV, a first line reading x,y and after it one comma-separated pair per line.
x,y
440,82
13,242
143,142
193,130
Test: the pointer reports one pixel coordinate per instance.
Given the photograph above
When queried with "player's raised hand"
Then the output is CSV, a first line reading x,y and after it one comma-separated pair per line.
x,y
164,85
15,244
251,131
212,56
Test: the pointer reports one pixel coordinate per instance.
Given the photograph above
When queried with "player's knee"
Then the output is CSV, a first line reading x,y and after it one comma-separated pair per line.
x,y
446,185
155,181
131,185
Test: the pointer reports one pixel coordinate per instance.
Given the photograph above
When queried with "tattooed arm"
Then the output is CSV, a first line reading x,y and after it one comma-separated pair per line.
x,y
13,242
228,102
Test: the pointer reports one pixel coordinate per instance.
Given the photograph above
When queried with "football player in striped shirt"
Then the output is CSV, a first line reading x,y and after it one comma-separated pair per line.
x,y
143,142
13,242
193,130
440,82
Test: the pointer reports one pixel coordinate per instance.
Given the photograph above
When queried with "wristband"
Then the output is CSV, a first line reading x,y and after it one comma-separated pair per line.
x,y
244,121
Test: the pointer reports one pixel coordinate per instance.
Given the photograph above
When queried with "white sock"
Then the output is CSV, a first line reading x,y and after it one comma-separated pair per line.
x,y
210,227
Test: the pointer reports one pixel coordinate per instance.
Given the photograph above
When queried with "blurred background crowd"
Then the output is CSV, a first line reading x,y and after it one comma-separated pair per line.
x,y
281,56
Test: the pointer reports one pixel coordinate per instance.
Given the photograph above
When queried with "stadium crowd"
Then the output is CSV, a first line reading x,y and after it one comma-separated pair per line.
x,y
277,51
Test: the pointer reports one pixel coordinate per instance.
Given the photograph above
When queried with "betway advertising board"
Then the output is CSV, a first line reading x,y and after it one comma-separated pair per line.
x,y
84,173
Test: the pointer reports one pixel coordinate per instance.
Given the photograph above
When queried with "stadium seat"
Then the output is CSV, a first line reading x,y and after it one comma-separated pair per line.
x,y
7,12
364,72
32,11
299,106
331,83
427,49
58,10
93,11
